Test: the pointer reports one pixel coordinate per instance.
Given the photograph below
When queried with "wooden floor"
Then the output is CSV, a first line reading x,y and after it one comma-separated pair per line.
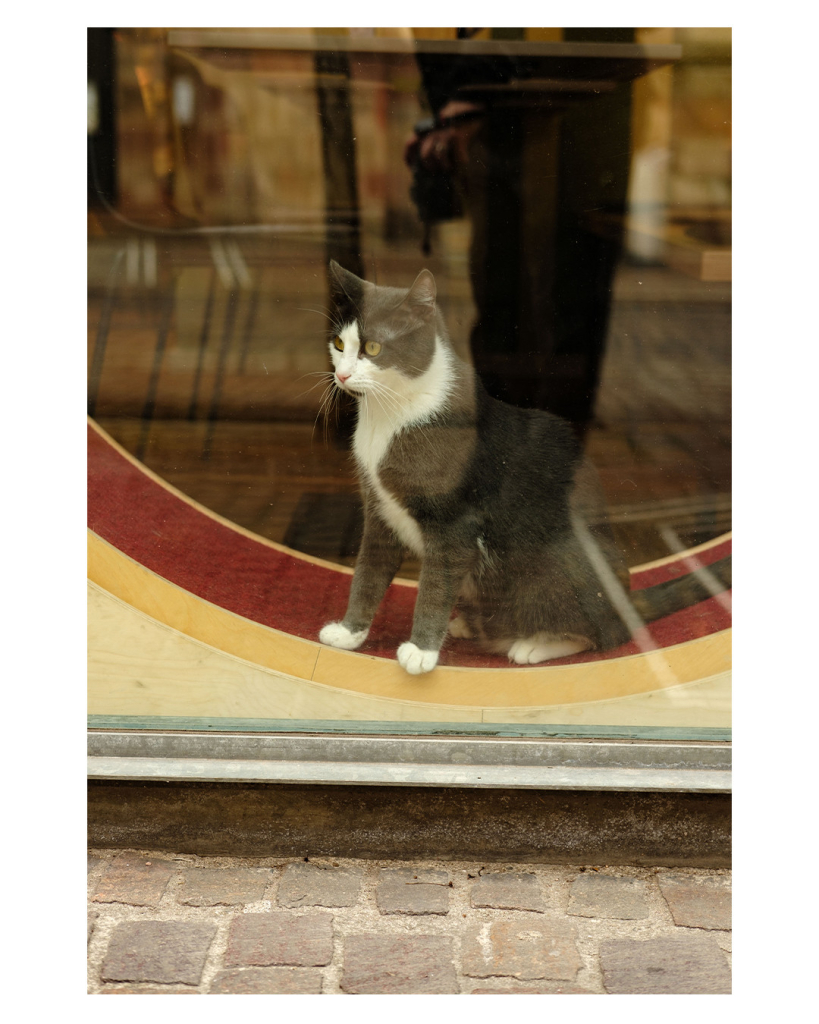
x,y
209,384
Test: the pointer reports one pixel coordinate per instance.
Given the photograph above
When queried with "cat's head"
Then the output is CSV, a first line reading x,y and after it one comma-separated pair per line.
x,y
383,337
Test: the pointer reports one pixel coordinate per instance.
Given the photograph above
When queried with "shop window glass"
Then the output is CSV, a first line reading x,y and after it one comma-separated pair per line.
x,y
570,192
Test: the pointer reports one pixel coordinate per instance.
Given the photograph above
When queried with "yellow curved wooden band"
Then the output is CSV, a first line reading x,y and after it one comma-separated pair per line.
x,y
610,679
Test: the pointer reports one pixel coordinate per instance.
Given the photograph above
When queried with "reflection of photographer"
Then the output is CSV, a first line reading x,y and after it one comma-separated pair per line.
x,y
529,162
440,144
437,154
439,151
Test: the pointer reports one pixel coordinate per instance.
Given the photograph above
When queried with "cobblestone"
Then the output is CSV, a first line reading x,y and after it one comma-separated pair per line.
x,y
267,981
398,964
139,881
598,895
314,885
280,938
677,965
148,990
408,891
541,991
698,902
166,951
522,949
210,887
184,924
513,890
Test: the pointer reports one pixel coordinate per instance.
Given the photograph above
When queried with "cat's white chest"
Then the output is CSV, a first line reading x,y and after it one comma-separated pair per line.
x,y
391,403
370,443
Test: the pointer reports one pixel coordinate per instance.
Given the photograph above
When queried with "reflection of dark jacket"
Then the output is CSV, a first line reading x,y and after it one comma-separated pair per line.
x,y
435,192
443,74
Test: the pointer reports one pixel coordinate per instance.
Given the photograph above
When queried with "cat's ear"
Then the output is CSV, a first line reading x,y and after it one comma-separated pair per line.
x,y
421,296
345,284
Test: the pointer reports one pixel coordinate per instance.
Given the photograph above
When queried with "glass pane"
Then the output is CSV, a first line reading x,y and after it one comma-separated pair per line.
x,y
568,193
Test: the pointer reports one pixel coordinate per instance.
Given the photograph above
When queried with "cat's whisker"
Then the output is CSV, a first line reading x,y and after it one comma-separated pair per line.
x,y
378,394
367,410
336,408
318,383
377,398
328,399
376,387
396,400
386,389
318,416
401,402
321,312
315,373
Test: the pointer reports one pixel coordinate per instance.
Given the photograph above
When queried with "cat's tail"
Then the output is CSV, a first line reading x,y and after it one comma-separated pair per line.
x,y
674,595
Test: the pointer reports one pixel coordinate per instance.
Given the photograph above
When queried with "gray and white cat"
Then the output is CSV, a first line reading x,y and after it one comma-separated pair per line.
x,y
498,502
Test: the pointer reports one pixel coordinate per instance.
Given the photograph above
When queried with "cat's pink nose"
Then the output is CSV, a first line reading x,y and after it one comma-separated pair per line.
x,y
342,376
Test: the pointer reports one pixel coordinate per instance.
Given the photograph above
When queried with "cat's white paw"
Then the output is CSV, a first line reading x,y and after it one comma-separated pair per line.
x,y
459,628
336,634
416,661
531,650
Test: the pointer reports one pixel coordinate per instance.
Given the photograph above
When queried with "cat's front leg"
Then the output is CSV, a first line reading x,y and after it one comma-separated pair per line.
x,y
444,568
415,659
378,561
336,634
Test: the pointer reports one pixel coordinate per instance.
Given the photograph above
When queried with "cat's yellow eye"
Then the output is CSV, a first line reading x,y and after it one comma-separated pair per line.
x,y
372,348
339,344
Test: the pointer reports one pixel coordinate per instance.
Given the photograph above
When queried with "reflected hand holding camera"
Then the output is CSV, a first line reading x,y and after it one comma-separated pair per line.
x,y
437,154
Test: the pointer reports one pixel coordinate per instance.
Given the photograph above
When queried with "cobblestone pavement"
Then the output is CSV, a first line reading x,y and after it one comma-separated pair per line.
x,y
168,923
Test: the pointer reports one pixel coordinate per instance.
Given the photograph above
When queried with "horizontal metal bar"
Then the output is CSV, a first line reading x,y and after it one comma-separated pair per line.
x,y
400,760
348,773
417,750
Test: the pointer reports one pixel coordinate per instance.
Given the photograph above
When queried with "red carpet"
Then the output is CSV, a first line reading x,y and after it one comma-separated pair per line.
x,y
178,542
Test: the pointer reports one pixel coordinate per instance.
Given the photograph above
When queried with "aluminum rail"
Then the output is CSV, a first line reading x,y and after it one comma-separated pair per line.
x,y
410,761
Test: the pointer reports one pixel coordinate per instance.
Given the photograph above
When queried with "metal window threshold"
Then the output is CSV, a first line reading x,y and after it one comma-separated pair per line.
x,y
522,763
